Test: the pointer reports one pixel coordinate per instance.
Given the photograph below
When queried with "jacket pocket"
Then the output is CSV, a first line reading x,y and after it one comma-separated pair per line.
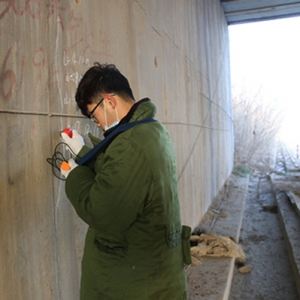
x,y
111,247
186,251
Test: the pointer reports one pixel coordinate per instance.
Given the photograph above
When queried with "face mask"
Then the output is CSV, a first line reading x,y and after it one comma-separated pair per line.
x,y
114,123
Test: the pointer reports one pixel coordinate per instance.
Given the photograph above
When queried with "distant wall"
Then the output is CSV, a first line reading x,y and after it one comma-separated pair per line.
x,y
175,52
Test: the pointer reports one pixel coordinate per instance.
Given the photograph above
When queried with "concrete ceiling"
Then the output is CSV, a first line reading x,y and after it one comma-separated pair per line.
x,y
245,11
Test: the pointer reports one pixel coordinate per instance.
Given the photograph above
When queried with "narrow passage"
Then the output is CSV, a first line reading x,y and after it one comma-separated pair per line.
x,y
266,254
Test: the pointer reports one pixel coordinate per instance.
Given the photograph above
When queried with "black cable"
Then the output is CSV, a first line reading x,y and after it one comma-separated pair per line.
x,y
58,158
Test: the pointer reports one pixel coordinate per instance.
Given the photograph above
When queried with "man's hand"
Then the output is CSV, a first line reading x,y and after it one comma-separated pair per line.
x,y
66,168
75,143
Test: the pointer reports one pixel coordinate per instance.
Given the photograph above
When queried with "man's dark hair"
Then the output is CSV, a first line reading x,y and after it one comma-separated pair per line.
x,y
100,80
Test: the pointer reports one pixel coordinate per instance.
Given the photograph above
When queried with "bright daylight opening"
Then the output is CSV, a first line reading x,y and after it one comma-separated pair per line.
x,y
265,63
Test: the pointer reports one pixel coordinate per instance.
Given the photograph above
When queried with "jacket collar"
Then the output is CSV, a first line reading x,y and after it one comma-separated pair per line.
x,y
141,110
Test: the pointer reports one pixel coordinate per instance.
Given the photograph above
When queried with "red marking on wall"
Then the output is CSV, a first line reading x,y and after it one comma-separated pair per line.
x,y
18,12
22,70
74,22
33,7
55,9
11,5
34,10
38,58
7,75
5,11
62,74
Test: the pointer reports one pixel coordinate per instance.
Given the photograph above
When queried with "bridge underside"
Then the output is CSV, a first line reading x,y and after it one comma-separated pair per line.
x,y
245,11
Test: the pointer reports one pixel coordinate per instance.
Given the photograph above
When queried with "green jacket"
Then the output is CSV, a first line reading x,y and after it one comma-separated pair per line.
x,y
129,199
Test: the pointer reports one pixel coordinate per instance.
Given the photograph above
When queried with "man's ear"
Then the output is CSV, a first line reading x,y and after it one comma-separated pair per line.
x,y
111,100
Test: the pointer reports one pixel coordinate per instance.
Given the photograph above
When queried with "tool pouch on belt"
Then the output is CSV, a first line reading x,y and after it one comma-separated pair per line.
x,y
186,251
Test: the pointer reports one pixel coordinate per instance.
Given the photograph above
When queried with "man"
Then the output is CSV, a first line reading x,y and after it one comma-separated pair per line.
x,y
135,246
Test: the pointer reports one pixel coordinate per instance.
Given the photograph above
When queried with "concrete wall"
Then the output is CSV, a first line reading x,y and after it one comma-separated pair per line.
x,y
175,52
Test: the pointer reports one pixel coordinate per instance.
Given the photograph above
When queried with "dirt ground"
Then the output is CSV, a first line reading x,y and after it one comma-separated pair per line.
x,y
263,242
269,273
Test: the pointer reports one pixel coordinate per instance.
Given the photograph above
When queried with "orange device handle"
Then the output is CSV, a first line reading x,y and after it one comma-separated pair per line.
x,y
65,166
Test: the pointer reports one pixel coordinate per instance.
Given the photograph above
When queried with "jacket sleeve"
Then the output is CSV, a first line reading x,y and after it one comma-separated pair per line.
x,y
113,198
84,150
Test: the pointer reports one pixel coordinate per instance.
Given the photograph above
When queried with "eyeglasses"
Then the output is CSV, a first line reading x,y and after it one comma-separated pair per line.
x,y
90,114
